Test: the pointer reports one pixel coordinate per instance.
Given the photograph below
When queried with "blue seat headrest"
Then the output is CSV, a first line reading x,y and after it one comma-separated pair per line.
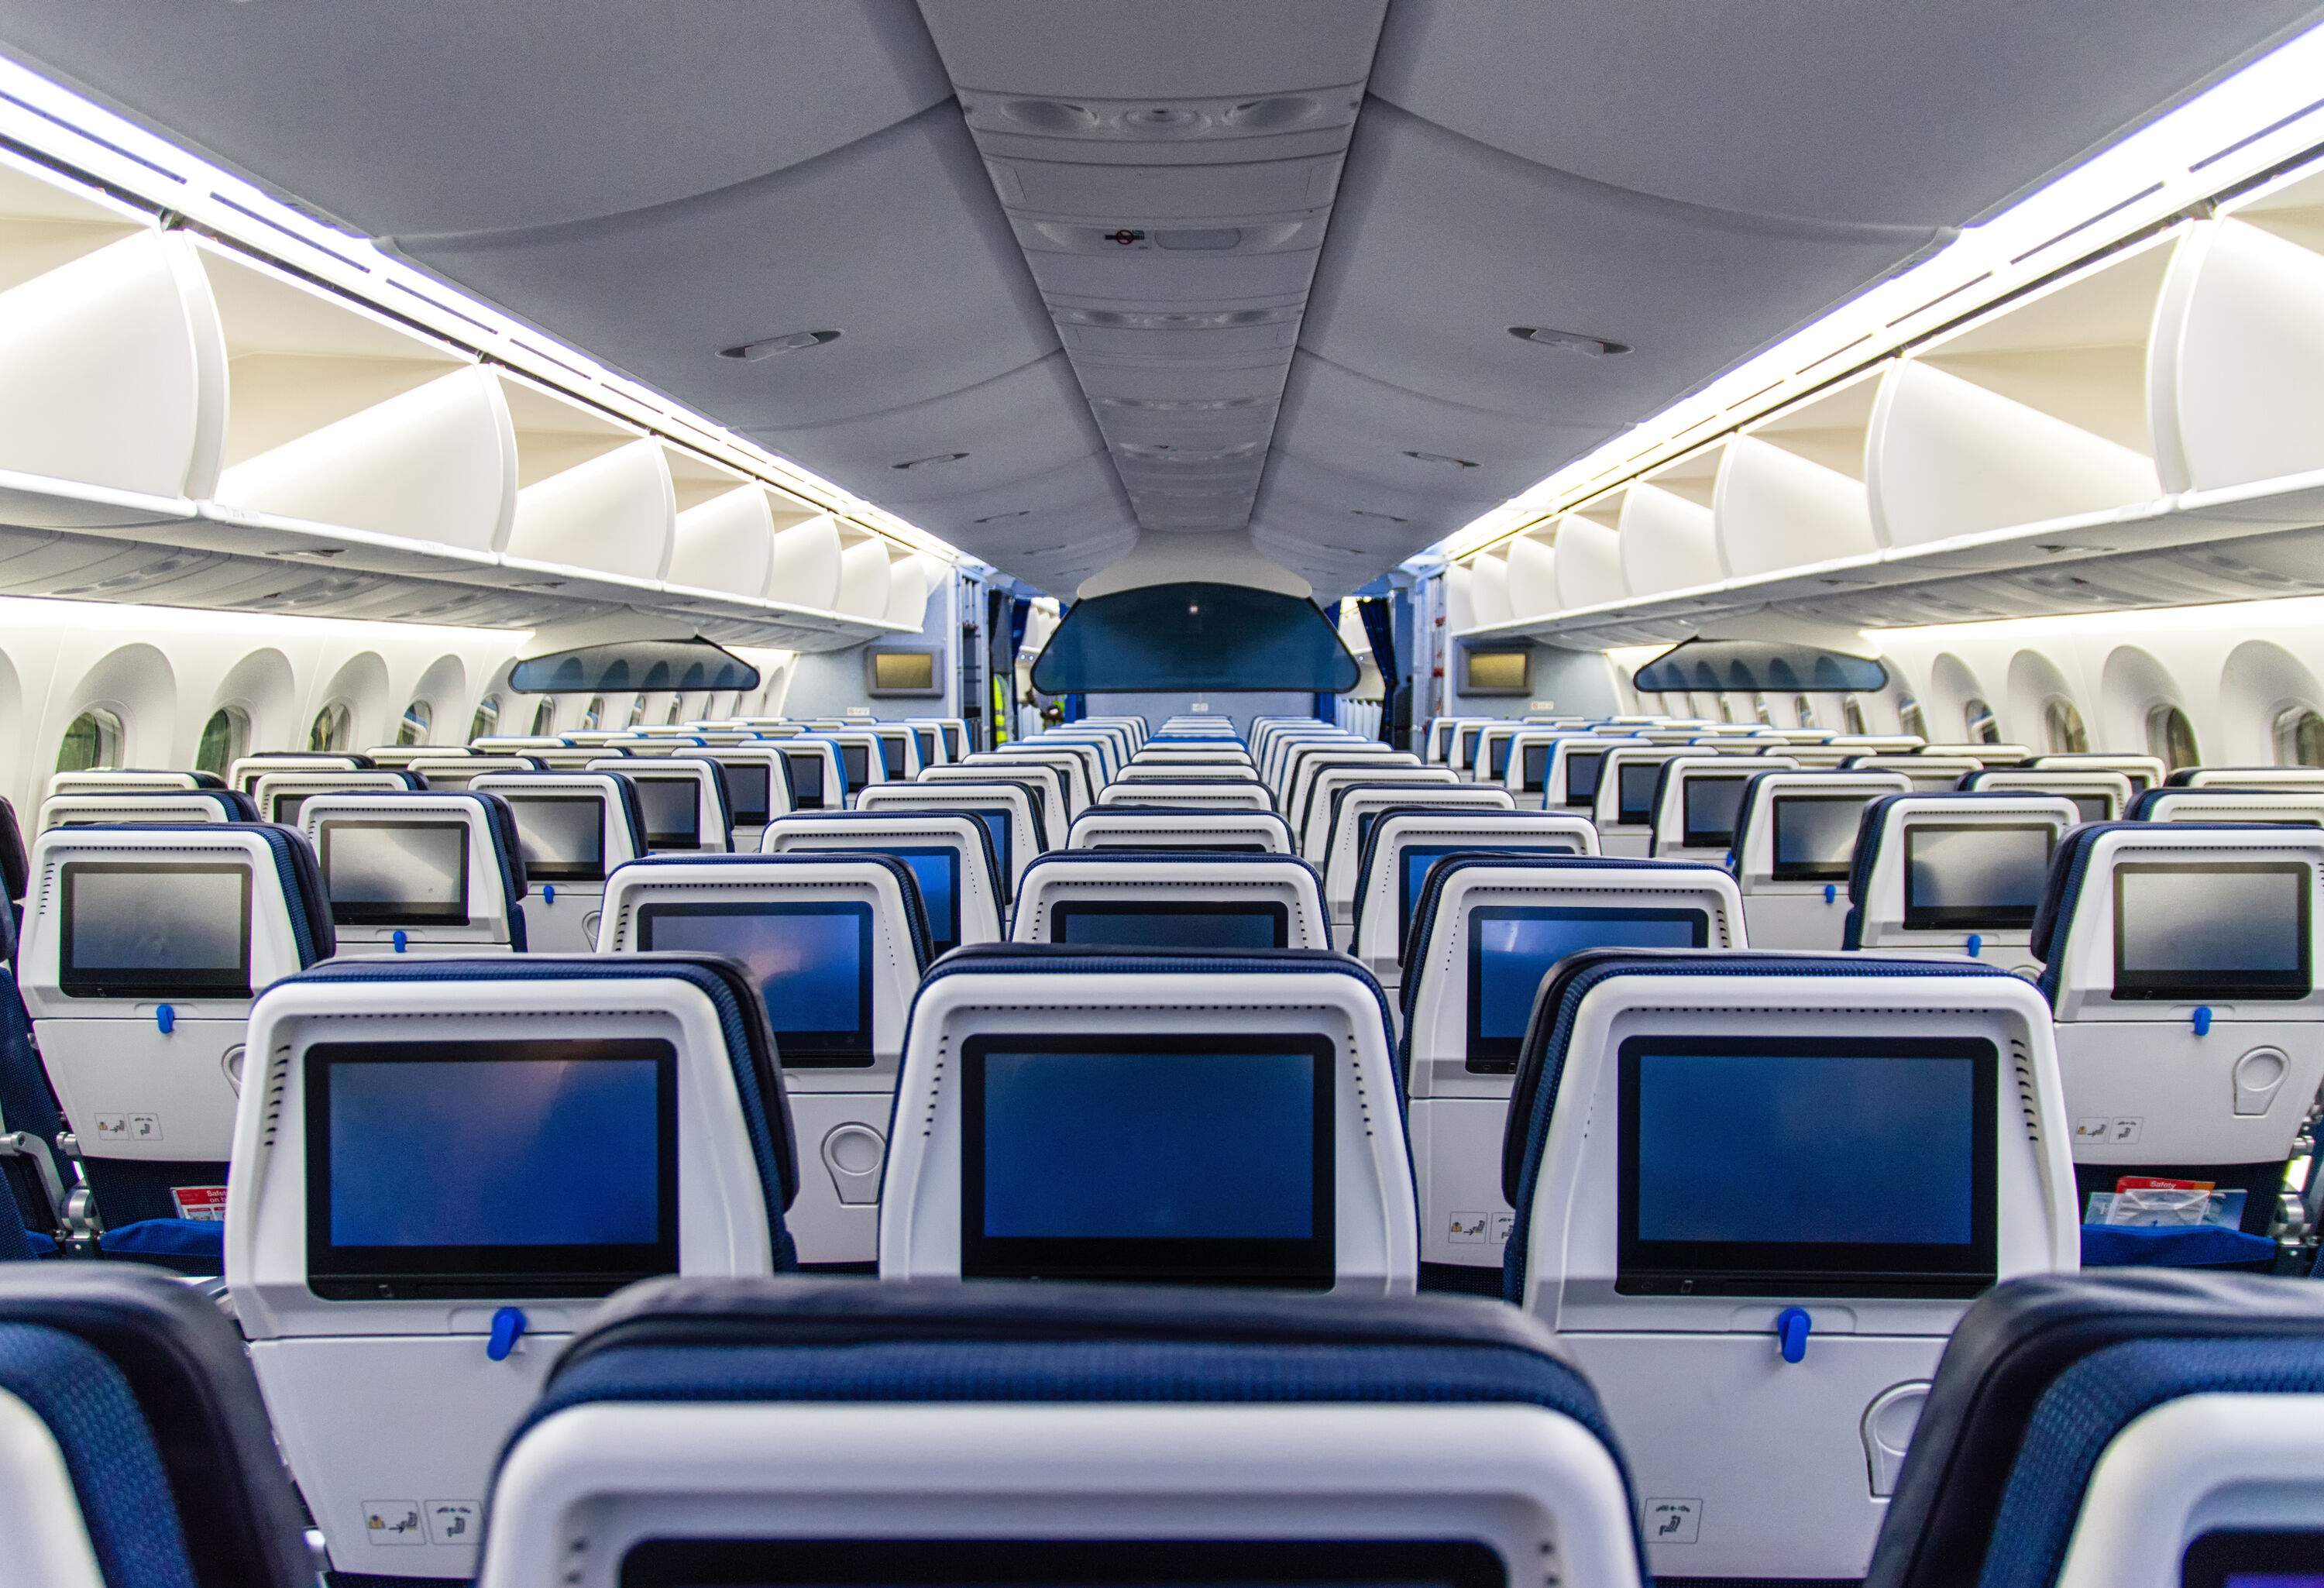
x,y
742,1018
1557,1004
2040,1376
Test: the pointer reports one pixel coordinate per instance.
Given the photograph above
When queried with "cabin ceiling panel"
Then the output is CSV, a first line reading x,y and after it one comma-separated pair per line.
x,y
1900,115
444,115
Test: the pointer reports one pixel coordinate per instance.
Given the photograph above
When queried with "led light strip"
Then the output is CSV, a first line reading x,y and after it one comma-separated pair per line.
x,y
2270,112
85,138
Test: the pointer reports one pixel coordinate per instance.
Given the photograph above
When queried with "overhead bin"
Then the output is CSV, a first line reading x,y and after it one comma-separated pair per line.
x,y
1664,533
865,584
1791,489
803,564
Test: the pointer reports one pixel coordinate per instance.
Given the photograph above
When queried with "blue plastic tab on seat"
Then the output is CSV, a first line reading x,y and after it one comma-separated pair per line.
x,y
401,940
1976,943
1830,893
2203,1020
508,1328
549,892
1791,1326
165,1019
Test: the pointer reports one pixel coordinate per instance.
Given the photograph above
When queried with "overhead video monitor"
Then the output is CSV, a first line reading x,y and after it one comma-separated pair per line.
x,y
1836,1166
748,792
551,1167
1226,924
1420,859
672,806
1102,1563
385,873
855,763
1815,836
562,836
1533,770
1512,949
903,672
1495,672
2211,932
151,931
935,867
1583,768
1708,809
1634,800
1170,1159
806,781
2253,1557
1975,877
812,962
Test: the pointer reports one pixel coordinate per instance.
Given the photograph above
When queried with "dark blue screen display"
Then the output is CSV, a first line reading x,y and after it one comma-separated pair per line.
x,y
1511,950
811,962
1871,1150
493,1152
1210,1146
1226,925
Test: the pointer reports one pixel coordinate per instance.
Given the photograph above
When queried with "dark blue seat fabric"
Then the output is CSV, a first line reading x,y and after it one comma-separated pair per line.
x,y
26,1101
2040,1376
741,1020
144,1384
908,882
15,865
1541,1062
2185,1246
931,1341
16,1240
195,1246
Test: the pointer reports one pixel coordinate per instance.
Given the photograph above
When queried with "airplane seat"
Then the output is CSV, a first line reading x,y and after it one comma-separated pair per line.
x,y
758,787
836,943
143,949
2296,807
133,806
2099,795
16,863
2180,966
1795,848
1223,794
950,851
1165,1116
279,796
2120,1430
816,776
573,830
435,872
2306,778
1311,809
684,801
1068,1433
1697,799
129,780
1011,811
1406,841
1487,933
1954,874
1141,827
445,1167
1356,808
135,1450
1777,1180
1129,900
29,1119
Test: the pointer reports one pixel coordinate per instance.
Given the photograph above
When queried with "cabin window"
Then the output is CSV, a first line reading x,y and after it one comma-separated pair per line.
x,y
1851,711
2172,736
487,719
226,739
593,716
2062,722
544,718
92,741
1804,709
333,729
669,717
1762,710
637,711
1725,713
1912,718
417,718
2300,737
1976,717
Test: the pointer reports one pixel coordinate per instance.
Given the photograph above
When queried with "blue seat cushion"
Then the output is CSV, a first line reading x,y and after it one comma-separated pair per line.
x,y
199,1239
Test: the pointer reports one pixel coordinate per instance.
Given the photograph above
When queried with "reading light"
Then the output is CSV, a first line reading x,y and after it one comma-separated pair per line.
x,y
795,342
1446,459
931,457
1571,341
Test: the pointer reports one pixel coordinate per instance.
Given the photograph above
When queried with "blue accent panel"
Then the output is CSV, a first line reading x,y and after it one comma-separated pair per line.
x,y
202,1240
1760,666
1792,1325
742,1018
1541,1065
2121,1246
109,1454
508,1328
1195,637
165,1019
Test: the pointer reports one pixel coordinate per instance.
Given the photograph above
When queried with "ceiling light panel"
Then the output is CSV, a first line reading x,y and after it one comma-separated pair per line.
x,y
1171,183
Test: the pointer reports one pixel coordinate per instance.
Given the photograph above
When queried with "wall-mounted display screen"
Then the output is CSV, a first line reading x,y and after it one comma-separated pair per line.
x,y
672,810
1513,949
1839,1166
1815,836
1984,876
1167,1158
2211,931
562,836
1224,924
812,962
409,873
551,1167
910,672
1495,672
154,931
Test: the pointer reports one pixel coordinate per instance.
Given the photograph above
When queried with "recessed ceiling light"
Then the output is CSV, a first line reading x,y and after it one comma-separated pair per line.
x,y
770,345
1570,341
1446,459
1369,513
931,457
994,517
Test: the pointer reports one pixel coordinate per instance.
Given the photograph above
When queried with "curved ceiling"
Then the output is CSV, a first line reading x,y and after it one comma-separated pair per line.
x,y
1218,278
